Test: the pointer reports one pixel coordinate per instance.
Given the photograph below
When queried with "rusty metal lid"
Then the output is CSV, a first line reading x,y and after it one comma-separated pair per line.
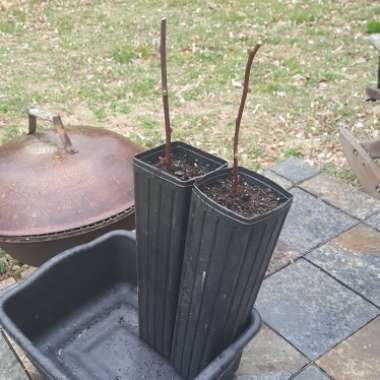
x,y
63,179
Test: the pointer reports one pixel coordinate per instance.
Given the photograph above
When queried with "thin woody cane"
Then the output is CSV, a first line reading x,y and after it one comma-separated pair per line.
x,y
235,176
167,159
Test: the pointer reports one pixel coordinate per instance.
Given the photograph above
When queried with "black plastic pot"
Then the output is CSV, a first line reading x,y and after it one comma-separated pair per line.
x,y
76,318
162,204
226,257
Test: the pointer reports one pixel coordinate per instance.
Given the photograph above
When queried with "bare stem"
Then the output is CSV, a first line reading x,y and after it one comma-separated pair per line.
x,y
251,56
167,159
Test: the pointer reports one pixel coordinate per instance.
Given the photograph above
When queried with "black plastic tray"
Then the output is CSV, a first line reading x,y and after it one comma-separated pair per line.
x,y
76,318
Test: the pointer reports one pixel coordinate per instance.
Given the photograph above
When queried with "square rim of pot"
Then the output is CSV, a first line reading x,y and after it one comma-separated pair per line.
x,y
251,177
141,160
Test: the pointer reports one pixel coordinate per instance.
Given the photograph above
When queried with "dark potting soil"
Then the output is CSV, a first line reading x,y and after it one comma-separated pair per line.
x,y
249,201
185,167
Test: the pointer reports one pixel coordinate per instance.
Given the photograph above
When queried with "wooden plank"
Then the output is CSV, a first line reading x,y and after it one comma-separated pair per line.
x,y
361,163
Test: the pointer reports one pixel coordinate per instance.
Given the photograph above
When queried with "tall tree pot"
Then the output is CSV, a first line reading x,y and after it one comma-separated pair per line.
x,y
225,260
162,203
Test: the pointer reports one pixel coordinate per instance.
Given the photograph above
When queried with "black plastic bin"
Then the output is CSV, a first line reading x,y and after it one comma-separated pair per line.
x,y
225,260
76,318
162,204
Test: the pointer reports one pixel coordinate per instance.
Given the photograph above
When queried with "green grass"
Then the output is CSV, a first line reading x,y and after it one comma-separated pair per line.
x,y
149,124
126,54
293,152
121,107
293,65
3,263
123,55
144,87
301,17
100,113
255,152
10,132
342,174
151,130
330,76
373,27
99,63
8,27
3,108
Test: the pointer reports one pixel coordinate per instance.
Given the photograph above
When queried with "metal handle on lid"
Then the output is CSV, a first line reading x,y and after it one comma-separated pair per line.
x,y
35,113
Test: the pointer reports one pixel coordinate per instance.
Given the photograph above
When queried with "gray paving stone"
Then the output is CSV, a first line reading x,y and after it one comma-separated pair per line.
x,y
31,370
357,358
310,309
283,182
282,256
311,373
311,222
343,196
374,221
295,170
353,258
269,357
281,375
10,368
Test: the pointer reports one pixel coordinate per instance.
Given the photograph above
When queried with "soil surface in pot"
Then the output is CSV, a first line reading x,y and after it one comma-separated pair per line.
x,y
185,167
249,201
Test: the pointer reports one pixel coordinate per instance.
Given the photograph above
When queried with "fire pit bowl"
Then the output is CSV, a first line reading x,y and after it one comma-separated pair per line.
x,y
60,187
87,327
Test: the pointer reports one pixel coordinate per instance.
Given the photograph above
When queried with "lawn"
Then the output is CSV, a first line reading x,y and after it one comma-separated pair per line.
x,y
97,62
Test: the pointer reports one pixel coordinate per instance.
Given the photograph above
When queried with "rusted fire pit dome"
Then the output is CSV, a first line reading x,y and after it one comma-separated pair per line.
x,y
63,187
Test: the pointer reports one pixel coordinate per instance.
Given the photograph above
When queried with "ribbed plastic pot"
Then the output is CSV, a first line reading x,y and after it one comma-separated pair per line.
x,y
162,204
225,260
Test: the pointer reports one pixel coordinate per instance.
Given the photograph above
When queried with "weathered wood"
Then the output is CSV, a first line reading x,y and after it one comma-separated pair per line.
x,y
366,170
373,148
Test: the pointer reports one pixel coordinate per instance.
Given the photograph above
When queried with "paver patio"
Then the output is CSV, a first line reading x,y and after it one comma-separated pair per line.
x,y
320,301
10,368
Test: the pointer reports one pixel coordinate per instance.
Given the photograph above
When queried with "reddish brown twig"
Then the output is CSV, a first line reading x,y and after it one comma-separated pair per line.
x,y
235,176
167,159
